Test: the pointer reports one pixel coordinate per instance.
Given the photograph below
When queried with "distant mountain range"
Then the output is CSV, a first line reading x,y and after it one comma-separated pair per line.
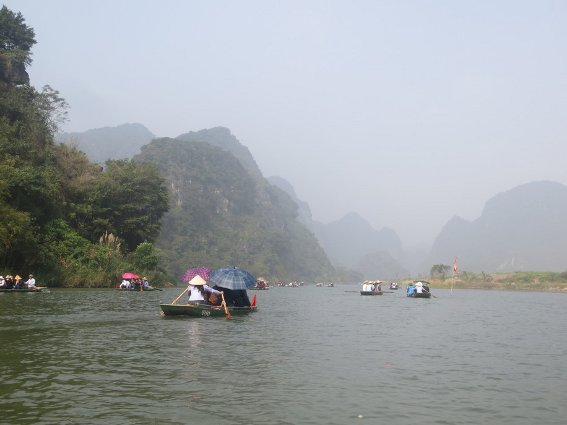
x,y
101,144
524,228
352,242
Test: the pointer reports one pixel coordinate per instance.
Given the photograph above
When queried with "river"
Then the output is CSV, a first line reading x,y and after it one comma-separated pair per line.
x,y
310,355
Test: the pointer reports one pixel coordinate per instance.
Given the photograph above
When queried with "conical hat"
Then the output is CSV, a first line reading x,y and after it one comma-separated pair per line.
x,y
197,280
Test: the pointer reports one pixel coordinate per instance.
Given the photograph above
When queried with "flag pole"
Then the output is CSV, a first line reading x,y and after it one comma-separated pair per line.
x,y
455,269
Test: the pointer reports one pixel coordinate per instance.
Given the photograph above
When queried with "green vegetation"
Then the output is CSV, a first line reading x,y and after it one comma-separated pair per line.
x,y
525,281
65,219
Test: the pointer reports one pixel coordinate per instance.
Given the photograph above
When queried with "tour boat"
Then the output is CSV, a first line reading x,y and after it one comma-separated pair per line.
x,y
203,310
371,292
36,289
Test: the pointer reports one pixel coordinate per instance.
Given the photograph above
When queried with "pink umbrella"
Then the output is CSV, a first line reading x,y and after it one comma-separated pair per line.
x,y
191,273
129,275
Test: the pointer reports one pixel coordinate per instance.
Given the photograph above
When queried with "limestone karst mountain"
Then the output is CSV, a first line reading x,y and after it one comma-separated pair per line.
x,y
100,144
524,228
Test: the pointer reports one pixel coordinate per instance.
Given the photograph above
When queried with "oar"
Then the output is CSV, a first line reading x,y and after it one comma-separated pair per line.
x,y
228,316
180,295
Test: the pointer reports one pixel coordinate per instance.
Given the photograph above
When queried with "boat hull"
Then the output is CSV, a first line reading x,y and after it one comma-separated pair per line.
x,y
371,292
203,310
22,290
422,295
136,290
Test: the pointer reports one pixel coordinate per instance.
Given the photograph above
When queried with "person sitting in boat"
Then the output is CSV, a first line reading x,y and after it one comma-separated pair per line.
x,y
378,287
19,282
410,289
234,297
9,284
198,289
30,282
125,284
2,282
145,283
419,287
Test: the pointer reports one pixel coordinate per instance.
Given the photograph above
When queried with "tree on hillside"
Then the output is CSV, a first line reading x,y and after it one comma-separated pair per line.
x,y
54,203
128,200
16,41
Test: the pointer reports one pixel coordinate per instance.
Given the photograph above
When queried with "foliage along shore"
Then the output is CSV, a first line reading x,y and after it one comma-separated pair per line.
x,y
519,281
65,219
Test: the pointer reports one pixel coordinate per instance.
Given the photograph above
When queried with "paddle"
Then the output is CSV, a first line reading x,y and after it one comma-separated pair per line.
x,y
228,316
180,295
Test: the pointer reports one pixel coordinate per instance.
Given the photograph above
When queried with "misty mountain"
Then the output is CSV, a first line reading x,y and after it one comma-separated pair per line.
x,y
101,144
380,265
303,210
524,228
352,242
351,238
222,214
221,137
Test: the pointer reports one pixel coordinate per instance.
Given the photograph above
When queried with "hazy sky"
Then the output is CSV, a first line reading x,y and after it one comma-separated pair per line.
x,y
407,112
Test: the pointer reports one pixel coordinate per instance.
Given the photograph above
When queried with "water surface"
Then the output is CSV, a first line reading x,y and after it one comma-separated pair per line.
x,y
308,356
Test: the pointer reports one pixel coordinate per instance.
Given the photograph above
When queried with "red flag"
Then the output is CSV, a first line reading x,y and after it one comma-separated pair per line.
x,y
455,268
253,303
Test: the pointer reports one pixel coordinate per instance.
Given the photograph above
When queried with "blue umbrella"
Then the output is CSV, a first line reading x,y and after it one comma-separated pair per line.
x,y
232,278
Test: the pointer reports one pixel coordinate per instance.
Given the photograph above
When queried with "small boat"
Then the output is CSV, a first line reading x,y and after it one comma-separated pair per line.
x,y
425,292
36,289
330,285
203,310
261,285
394,286
148,289
371,292
422,295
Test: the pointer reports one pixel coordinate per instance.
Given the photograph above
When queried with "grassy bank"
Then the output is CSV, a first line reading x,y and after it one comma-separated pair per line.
x,y
523,281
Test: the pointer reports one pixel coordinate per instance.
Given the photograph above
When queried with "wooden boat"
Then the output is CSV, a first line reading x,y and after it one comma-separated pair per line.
x,y
36,289
426,292
149,289
422,295
394,286
371,292
203,310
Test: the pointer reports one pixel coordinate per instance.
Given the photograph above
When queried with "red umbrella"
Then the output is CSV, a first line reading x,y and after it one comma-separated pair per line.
x,y
129,275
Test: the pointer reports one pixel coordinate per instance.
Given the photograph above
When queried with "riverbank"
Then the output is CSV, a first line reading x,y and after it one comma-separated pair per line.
x,y
523,281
